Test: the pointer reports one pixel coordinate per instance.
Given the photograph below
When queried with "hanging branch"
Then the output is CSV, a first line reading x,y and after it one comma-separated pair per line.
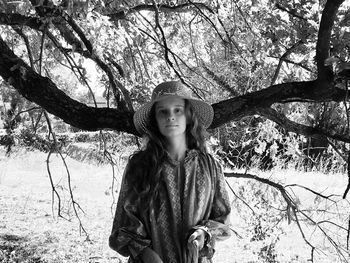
x,y
348,128
229,38
165,45
330,240
291,205
191,40
243,201
292,126
42,48
174,55
293,211
60,22
348,235
55,148
313,248
75,205
312,191
108,155
53,188
348,186
73,65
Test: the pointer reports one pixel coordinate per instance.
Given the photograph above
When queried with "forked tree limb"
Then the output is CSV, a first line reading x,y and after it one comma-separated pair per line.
x,y
75,205
298,128
293,211
323,41
180,8
45,93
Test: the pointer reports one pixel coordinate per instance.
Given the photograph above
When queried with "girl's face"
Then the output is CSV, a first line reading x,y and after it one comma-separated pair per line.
x,y
171,118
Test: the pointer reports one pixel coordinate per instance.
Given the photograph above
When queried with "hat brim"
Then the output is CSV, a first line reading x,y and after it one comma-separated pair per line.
x,y
203,111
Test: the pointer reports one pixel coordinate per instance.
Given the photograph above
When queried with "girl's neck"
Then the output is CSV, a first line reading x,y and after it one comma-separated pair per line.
x,y
177,149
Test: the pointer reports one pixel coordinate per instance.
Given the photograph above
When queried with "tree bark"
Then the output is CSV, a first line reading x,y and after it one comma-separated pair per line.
x,y
44,92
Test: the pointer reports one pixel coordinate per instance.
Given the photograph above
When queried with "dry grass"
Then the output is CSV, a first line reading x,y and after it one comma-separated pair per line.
x,y
30,233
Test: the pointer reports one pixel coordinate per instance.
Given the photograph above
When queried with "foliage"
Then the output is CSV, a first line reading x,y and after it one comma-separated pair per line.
x,y
276,72
29,227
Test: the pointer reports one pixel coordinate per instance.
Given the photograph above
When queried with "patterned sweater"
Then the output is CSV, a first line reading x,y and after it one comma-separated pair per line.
x,y
191,193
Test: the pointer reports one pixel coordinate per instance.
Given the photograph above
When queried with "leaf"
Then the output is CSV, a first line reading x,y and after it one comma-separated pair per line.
x,y
331,61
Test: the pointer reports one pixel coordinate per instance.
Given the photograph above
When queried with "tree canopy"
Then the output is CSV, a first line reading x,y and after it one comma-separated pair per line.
x,y
285,61
246,57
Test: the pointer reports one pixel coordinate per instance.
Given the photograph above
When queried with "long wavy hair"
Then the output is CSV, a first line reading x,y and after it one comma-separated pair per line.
x,y
145,168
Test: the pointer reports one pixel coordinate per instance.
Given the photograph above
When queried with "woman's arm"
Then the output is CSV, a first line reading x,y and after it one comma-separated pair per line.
x,y
129,235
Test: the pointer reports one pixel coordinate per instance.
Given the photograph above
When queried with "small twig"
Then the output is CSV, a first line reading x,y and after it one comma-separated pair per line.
x,y
113,164
72,64
312,191
55,148
75,205
336,149
240,198
27,44
348,186
174,55
42,49
291,205
330,240
53,189
348,235
283,57
292,13
165,45
304,237
24,111
332,223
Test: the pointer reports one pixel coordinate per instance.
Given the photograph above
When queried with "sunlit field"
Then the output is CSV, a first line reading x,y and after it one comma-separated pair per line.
x,y
31,231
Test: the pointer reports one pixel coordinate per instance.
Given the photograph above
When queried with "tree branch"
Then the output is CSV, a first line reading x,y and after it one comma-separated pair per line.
x,y
221,81
283,58
323,41
244,105
185,7
291,205
36,24
292,126
348,186
292,13
293,210
44,92
19,31
165,45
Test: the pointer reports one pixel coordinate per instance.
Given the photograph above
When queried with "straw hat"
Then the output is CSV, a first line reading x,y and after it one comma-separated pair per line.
x,y
203,110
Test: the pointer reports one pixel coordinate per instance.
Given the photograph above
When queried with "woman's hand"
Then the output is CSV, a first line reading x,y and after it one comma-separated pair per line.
x,y
194,244
148,255
197,238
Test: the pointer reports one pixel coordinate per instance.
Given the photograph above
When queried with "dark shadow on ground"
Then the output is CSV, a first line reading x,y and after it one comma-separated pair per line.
x,y
15,249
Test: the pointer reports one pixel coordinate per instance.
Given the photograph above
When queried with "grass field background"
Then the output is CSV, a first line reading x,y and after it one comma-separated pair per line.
x,y
30,230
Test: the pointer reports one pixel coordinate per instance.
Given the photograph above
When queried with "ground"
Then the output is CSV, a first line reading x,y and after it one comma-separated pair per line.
x,y
30,230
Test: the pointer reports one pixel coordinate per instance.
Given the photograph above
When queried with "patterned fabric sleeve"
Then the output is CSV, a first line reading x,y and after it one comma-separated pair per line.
x,y
129,236
218,223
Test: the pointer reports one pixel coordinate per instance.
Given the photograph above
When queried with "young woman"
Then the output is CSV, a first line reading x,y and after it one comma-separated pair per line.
x,y
173,204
